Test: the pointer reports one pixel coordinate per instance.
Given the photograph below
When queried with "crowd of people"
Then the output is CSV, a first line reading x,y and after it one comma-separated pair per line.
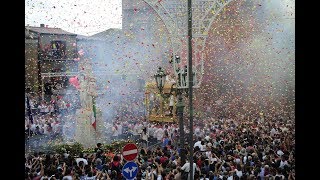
x,y
223,148
46,116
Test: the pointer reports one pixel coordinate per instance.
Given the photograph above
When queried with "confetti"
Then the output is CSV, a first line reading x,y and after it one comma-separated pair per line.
x,y
248,51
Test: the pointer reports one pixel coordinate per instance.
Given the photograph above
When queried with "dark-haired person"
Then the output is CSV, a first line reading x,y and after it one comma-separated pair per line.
x,y
67,173
116,166
80,158
165,140
98,164
92,176
98,147
177,173
186,167
144,137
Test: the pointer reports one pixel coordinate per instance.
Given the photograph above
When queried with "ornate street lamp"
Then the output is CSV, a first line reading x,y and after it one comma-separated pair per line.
x,y
160,79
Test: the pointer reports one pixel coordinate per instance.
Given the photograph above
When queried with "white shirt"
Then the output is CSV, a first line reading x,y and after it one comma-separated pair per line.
x,y
237,160
198,143
90,178
169,130
283,163
139,128
245,158
31,104
213,159
135,130
284,129
33,127
46,109
159,134
208,154
186,168
230,178
262,172
145,136
279,175
273,132
43,177
171,100
42,107
151,131
238,173
119,129
203,147
54,127
67,177
207,138
197,131
280,153
45,129
114,131
85,162
175,162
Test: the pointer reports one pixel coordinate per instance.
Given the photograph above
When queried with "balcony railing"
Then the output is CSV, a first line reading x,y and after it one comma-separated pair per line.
x,y
56,55
59,74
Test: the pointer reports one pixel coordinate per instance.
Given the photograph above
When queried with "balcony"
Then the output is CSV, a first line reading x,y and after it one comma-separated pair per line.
x,y
57,55
59,74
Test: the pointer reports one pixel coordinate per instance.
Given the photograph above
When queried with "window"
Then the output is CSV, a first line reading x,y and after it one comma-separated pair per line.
x,y
58,49
48,88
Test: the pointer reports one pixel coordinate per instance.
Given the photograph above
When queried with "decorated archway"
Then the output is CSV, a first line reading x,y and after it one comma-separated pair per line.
x,y
174,15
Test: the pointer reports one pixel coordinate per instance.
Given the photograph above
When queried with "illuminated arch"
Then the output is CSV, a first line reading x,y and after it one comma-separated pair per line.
x,y
174,16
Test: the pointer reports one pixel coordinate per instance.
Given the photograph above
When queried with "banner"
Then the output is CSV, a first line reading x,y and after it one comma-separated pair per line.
x,y
93,122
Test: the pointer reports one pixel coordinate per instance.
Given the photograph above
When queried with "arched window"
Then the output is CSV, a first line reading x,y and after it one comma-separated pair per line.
x,y
58,49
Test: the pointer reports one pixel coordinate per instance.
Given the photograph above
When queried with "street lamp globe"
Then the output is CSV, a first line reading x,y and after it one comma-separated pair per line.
x,y
160,77
177,59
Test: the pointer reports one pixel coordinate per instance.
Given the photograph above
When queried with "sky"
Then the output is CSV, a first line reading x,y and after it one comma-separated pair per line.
x,y
76,16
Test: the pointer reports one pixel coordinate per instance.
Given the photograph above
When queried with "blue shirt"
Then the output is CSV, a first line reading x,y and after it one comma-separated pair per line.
x,y
165,142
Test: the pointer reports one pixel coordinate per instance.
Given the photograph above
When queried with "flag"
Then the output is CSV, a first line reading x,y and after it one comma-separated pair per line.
x,y
93,121
29,111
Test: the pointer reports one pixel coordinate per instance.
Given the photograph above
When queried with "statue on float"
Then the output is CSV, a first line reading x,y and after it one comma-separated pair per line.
x,y
87,122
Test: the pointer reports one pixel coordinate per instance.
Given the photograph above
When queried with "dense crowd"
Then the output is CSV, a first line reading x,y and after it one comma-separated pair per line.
x,y
258,148
55,115
47,116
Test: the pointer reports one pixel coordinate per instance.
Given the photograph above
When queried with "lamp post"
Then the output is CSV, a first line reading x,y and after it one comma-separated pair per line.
x,y
186,80
180,107
190,85
160,80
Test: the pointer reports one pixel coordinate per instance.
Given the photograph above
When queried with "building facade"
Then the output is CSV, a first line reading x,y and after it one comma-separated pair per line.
x,y
50,59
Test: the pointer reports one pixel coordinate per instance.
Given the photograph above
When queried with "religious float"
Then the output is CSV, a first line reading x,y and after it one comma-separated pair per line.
x,y
160,107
